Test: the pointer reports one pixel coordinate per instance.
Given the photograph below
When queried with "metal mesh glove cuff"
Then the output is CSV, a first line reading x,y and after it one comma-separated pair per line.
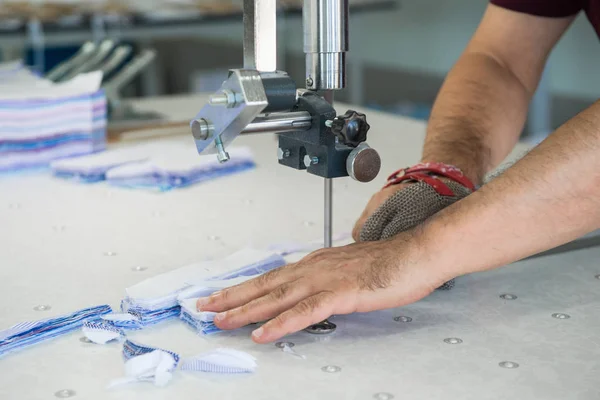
x,y
409,207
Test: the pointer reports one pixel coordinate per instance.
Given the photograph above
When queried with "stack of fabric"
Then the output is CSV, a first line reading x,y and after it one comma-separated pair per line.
x,y
29,333
169,171
157,299
201,321
41,121
157,166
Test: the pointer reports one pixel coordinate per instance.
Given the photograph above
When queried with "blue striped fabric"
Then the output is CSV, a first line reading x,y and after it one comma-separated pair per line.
x,y
132,349
203,366
149,317
164,181
221,361
27,334
41,121
202,327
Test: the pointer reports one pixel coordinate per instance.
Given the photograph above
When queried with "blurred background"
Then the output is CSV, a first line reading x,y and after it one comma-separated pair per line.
x,y
400,51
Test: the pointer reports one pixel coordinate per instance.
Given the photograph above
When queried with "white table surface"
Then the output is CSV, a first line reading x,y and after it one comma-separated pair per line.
x,y
54,233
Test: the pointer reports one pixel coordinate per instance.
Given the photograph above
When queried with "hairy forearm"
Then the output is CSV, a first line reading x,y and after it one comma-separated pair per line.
x,y
477,117
548,198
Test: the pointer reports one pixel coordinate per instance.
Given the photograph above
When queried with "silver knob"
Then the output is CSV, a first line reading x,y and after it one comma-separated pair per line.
x,y
363,163
308,160
281,153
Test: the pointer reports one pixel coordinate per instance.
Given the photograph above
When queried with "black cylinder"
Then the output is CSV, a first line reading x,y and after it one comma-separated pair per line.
x,y
280,90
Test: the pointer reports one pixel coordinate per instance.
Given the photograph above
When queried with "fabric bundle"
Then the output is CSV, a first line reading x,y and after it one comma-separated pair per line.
x,y
169,171
41,121
201,321
93,168
29,333
158,166
157,299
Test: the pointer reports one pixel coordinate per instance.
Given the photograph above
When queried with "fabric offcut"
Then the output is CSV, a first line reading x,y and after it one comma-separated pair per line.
x,y
41,121
157,299
408,208
30,333
146,364
101,332
221,361
125,321
133,349
178,169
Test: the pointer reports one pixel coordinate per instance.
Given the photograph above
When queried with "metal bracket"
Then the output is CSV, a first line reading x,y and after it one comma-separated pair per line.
x,y
224,122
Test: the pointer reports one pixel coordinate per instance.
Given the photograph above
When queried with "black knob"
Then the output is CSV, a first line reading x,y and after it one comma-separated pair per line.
x,y
351,128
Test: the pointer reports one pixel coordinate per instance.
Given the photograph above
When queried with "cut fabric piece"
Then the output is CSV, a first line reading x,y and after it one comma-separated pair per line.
x,y
29,333
221,361
132,349
93,168
101,332
156,366
156,299
123,321
170,171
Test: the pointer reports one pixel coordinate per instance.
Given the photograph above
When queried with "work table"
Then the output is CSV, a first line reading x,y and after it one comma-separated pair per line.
x,y
70,246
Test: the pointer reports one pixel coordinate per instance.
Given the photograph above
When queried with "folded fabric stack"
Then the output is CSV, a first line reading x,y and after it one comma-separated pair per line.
x,y
41,121
157,166
29,333
93,168
157,299
201,321
170,171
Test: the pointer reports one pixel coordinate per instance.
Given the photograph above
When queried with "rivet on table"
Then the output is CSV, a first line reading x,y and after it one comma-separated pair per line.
x,y
282,345
84,339
59,228
561,316
508,296
309,223
213,237
139,268
14,205
331,369
509,364
402,319
383,396
453,340
42,307
248,201
65,393
110,253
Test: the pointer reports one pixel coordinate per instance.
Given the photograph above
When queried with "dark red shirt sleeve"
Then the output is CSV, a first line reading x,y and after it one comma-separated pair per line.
x,y
543,8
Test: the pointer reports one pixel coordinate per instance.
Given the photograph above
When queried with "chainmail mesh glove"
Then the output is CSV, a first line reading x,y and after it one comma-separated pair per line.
x,y
408,208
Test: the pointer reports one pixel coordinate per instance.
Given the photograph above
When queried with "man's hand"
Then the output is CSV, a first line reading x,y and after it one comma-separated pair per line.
x,y
356,278
374,203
